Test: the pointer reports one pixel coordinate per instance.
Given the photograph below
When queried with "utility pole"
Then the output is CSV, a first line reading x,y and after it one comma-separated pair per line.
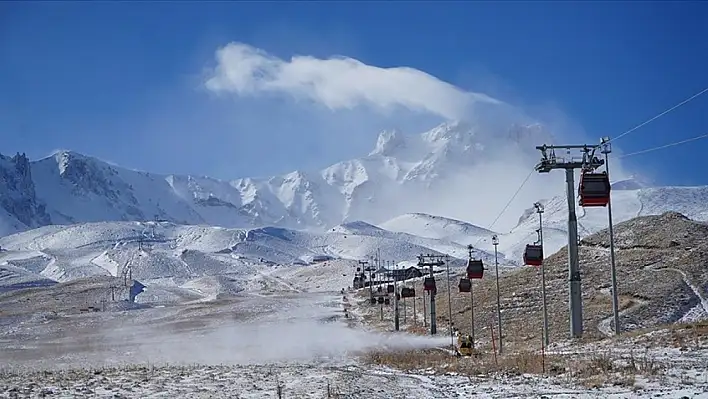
x,y
371,282
449,302
607,149
415,315
364,265
433,313
431,261
425,309
495,241
549,162
396,322
539,210
469,250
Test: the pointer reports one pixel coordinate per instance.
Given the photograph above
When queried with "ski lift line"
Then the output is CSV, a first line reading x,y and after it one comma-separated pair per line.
x,y
518,190
703,136
660,115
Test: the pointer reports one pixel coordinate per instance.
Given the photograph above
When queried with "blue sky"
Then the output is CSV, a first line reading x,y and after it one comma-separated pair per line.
x,y
124,81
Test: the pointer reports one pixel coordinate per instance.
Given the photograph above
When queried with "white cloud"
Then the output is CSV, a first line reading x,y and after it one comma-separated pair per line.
x,y
338,82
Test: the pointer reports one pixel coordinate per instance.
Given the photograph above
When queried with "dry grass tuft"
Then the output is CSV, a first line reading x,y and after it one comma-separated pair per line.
x,y
481,363
602,369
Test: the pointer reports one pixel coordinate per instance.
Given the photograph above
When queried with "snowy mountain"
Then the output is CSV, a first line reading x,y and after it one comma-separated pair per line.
x,y
626,204
19,207
403,173
456,171
164,255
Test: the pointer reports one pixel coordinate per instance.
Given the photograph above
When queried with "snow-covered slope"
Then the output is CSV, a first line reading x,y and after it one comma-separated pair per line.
x,y
402,174
437,227
9,223
626,204
630,198
186,256
19,207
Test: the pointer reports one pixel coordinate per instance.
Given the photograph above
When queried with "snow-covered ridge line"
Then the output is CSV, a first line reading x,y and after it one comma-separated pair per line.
x,y
68,187
399,186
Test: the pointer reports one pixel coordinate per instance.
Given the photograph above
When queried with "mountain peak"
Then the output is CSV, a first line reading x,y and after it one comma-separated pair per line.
x,y
61,154
71,162
457,131
387,142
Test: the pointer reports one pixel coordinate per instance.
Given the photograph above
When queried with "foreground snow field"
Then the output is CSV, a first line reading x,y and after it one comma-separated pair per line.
x,y
287,329
302,382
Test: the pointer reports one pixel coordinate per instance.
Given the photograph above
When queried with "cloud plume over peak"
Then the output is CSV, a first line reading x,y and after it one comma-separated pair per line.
x,y
338,83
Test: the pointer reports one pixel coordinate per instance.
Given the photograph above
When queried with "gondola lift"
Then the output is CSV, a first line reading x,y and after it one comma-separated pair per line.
x,y
475,269
594,189
429,284
533,254
465,285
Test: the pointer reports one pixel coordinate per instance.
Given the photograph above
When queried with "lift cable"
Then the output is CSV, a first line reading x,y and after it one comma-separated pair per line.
x,y
689,99
703,136
518,190
661,114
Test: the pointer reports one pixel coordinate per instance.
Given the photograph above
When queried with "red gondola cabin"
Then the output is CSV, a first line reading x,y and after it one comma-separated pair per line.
x,y
533,255
594,189
465,285
475,269
429,284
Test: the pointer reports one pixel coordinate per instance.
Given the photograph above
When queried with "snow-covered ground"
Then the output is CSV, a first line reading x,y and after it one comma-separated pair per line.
x,y
346,381
233,311
269,337
174,255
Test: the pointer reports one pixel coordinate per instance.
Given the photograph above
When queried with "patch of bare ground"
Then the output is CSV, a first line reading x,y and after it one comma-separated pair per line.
x,y
64,298
655,256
